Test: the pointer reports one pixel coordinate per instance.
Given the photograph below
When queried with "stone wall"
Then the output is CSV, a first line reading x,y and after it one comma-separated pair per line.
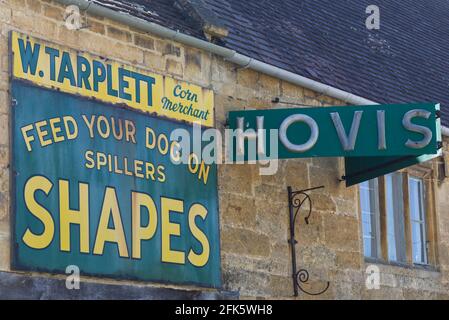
x,y
253,208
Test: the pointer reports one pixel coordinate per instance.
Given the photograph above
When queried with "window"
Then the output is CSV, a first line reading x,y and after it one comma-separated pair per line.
x,y
369,203
417,220
397,217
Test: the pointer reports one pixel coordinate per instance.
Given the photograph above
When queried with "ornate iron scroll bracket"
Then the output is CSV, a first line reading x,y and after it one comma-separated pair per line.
x,y
296,199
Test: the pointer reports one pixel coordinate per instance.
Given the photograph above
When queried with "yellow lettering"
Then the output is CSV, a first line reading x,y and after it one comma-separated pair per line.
x,y
162,144
44,239
70,134
193,160
101,160
161,173
130,131
150,135
55,130
142,233
169,229
42,133
90,125
106,131
28,139
138,168
104,234
204,172
68,216
175,152
198,260
149,170
90,163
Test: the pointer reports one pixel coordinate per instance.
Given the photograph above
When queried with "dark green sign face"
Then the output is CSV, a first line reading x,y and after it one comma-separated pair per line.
x,y
359,169
350,131
95,187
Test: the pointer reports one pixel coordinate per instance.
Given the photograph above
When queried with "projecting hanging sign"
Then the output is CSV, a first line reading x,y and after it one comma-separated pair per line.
x,y
103,188
378,132
352,131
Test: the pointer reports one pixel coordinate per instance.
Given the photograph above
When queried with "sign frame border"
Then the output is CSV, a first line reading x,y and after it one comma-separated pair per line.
x,y
14,264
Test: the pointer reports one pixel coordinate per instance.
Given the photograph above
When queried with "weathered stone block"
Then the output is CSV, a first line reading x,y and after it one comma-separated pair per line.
x,y
384,293
56,13
348,259
341,233
281,251
324,202
4,130
16,4
247,78
267,265
237,211
39,25
154,61
247,283
325,176
222,71
290,90
235,178
119,34
244,241
272,219
4,253
421,295
281,286
296,174
96,26
168,48
345,206
311,234
345,290
318,256
4,102
144,41
5,14
271,87
174,67
34,5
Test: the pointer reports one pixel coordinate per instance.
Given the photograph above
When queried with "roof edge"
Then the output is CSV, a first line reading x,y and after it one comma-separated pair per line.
x,y
228,54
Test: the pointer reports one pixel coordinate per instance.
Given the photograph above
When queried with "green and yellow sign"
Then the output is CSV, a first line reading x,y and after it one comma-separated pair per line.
x,y
84,74
101,187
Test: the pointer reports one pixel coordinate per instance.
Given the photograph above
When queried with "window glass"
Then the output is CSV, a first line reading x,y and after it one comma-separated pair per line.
x,y
395,218
369,204
417,219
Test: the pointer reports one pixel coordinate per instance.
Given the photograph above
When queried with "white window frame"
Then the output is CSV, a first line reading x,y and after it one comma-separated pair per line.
x,y
421,222
372,186
398,227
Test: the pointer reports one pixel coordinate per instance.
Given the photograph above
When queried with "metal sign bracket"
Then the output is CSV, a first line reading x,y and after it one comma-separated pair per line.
x,y
296,199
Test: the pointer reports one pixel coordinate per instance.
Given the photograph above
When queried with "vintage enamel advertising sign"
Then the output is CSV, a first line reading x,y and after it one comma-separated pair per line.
x,y
100,187
70,71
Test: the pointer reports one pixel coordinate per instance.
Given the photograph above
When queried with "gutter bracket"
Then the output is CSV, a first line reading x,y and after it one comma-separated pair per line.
x,y
243,67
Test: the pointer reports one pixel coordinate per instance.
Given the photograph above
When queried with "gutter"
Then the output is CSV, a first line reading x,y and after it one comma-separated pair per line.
x,y
93,8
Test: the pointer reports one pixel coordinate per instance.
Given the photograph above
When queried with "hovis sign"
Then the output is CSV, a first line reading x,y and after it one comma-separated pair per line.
x,y
350,131
70,71
101,187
